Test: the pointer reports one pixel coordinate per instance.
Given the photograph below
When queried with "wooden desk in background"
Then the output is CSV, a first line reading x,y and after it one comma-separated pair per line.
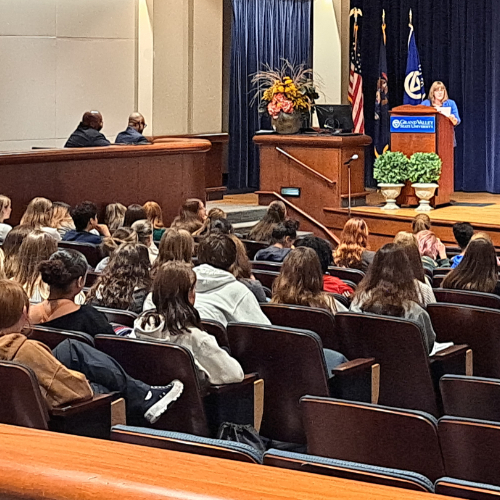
x,y
167,173
45,465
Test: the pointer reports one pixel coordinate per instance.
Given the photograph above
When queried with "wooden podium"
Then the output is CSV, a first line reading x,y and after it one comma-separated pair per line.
x,y
316,165
441,141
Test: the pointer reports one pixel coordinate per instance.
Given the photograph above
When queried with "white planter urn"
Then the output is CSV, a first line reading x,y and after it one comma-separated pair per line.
x,y
424,193
390,193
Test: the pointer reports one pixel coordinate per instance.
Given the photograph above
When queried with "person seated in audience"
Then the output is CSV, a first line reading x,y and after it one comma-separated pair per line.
x,y
191,216
175,244
74,371
242,270
176,320
421,222
134,213
114,216
85,219
390,290
88,133
36,247
38,215
463,232
5,210
125,282
408,242
155,217
263,230
133,133
214,214
11,247
65,273
478,270
110,244
61,218
144,231
432,250
282,239
352,250
323,250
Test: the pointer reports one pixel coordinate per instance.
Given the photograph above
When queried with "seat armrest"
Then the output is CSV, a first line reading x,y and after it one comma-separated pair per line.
x,y
249,378
454,350
84,406
455,360
354,366
356,380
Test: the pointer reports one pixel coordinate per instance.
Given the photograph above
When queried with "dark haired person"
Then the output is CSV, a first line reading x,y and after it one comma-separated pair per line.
x,y
478,270
85,219
133,133
134,213
323,250
65,274
262,231
463,232
191,216
282,239
389,289
176,320
88,133
73,372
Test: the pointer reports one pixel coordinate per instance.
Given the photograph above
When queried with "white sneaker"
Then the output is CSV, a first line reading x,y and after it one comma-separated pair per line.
x,y
159,399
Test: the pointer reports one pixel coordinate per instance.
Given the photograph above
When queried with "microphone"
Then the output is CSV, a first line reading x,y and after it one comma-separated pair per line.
x,y
352,158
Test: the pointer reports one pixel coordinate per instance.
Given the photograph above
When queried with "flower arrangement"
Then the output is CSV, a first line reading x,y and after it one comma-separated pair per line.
x,y
286,90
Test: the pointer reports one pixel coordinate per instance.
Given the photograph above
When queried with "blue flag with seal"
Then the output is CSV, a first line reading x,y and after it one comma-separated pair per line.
x,y
414,81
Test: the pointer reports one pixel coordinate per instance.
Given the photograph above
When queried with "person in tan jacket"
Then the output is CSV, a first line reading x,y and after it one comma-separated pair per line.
x,y
74,371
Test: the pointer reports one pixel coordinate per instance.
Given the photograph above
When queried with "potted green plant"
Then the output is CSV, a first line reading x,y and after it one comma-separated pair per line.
x,y
424,171
391,172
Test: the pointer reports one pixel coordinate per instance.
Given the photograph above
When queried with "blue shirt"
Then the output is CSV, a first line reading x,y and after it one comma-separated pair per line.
x,y
82,237
450,103
131,136
456,260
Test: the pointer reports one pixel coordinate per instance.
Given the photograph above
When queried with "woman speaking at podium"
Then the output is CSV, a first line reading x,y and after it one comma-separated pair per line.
x,y
438,98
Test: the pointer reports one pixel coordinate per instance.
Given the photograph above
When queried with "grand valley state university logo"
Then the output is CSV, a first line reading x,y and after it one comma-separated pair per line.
x,y
413,124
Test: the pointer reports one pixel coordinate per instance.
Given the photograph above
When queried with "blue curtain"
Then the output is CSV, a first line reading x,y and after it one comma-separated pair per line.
x,y
263,32
459,44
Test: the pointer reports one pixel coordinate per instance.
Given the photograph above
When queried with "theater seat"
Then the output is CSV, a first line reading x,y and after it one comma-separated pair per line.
x,y
466,297
253,247
218,330
466,489
353,275
263,265
266,277
118,316
52,337
92,253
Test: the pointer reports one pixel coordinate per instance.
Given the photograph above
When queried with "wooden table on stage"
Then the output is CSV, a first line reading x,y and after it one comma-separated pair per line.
x,y
45,465
315,164
167,173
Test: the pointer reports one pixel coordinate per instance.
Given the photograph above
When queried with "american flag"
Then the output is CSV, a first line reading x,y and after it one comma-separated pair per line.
x,y
356,87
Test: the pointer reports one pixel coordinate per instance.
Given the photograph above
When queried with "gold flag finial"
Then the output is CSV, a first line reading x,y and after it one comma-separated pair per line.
x,y
356,12
383,16
411,19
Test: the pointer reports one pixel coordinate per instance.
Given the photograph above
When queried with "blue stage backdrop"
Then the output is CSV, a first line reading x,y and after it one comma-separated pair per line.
x,y
263,32
459,43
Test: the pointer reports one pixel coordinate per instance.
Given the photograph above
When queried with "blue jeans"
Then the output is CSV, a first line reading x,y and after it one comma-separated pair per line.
x,y
333,359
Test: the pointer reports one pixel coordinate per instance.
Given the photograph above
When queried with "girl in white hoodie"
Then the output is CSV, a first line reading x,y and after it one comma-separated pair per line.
x,y
176,320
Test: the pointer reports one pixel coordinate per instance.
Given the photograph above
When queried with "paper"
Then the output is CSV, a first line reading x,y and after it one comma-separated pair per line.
x,y
446,111
440,346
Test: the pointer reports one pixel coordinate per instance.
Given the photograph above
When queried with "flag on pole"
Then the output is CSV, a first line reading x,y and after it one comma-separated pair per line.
x,y
382,124
356,80
414,81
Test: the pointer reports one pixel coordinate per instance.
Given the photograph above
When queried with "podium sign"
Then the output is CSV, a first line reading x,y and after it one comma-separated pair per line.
x,y
413,124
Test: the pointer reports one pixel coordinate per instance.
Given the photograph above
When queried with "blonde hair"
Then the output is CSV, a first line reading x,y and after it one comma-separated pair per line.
x,y
5,202
119,237
154,214
60,215
38,213
405,238
214,214
438,86
2,270
114,215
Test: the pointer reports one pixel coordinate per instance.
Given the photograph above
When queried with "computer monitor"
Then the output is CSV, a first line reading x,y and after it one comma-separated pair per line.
x,y
336,117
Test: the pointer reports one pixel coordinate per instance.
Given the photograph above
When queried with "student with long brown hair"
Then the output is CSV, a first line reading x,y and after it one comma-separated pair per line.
x,y
214,214
5,211
477,271
175,320
155,217
38,215
110,244
421,222
61,218
125,282
175,244
191,216
134,213
389,289
74,371
352,250
11,247
263,230
35,248
144,231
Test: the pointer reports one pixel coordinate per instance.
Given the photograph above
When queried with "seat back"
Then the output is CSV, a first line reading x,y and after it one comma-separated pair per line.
x,y
348,470
22,402
471,397
253,247
157,363
466,489
477,327
292,364
452,251
371,434
437,280
186,443
265,277
471,449
317,320
119,316
266,266
218,330
92,253
478,299
52,337
343,273
397,345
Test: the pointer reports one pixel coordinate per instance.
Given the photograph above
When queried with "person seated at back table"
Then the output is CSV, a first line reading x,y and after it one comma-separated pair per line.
x,y
463,232
85,219
282,238
133,133
87,134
